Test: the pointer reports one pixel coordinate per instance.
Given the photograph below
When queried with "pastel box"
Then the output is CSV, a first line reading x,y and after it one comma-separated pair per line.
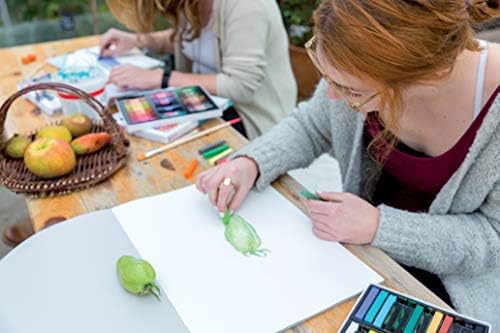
x,y
382,310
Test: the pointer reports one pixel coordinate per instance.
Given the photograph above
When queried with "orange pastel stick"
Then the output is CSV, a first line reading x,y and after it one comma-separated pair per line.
x,y
25,60
190,168
31,57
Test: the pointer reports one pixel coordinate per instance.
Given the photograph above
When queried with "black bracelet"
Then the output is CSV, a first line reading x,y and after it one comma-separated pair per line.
x,y
165,78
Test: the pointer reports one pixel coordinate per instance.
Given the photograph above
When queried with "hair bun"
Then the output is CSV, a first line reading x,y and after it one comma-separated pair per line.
x,y
481,11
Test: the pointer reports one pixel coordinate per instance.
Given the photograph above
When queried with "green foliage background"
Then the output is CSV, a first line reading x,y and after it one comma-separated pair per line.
x,y
298,13
29,10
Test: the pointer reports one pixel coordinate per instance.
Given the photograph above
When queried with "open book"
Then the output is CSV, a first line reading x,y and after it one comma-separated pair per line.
x,y
63,279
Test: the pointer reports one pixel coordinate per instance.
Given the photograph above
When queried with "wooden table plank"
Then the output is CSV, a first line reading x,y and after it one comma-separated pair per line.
x,y
140,179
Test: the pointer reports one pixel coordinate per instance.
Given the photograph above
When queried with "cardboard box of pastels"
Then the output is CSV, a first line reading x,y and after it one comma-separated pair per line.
x,y
71,154
160,107
382,310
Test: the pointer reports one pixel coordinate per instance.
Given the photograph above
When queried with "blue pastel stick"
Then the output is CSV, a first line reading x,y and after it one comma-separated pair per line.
x,y
384,311
367,303
370,316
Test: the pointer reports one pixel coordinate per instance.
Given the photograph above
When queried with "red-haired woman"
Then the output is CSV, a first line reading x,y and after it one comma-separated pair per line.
x,y
410,107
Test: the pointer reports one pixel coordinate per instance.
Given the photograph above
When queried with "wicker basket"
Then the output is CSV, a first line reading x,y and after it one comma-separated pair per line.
x,y
90,169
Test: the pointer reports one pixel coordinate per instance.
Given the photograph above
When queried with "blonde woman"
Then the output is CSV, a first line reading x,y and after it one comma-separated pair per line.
x,y
410,107
234,48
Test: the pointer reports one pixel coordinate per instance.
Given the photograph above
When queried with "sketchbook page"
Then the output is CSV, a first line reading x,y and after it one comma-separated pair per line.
x,y
89,57
63,279
133,57
216,289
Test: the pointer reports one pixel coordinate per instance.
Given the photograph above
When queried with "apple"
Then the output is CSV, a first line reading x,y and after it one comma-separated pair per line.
x,y
78,124
55,132
49,158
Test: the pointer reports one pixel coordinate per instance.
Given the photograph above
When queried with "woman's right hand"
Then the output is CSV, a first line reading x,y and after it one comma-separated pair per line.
x,y
228,185
115,42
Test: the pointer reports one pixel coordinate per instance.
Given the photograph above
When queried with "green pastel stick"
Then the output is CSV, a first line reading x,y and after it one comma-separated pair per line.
x,y
212,152
309,195
410,327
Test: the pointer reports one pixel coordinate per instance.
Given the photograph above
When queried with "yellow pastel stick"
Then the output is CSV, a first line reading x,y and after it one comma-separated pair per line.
x,y
436,320
214,159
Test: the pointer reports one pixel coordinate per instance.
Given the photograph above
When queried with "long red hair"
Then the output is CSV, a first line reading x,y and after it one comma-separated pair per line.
x,y
395,44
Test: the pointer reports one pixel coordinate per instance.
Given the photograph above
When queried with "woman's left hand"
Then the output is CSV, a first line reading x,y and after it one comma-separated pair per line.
x,y
343,217
129,77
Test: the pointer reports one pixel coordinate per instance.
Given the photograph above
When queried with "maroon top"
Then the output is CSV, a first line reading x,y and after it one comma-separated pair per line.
x,y
411,180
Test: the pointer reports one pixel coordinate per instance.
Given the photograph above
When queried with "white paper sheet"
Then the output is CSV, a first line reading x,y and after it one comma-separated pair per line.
x,y
89,56
216,289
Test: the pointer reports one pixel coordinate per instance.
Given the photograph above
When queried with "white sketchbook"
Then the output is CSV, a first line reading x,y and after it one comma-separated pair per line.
x,y
214,288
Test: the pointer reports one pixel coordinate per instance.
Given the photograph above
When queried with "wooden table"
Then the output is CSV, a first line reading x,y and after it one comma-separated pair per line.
x,y
140,179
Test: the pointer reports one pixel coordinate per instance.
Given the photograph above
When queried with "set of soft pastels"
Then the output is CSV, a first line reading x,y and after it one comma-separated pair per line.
x,y
381,310
216,153
164,104
194,99
139,110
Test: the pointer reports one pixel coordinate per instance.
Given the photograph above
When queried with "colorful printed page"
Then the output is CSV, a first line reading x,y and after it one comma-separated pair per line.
x,y
215,288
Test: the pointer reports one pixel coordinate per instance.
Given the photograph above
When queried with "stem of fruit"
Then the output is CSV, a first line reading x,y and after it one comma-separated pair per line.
x,y
155,290
261,252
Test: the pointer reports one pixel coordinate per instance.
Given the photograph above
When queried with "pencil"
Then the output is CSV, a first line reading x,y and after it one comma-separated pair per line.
x,y
151,153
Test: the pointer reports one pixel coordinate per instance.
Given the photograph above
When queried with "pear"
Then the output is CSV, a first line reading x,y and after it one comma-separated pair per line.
x,y
78,124
17,145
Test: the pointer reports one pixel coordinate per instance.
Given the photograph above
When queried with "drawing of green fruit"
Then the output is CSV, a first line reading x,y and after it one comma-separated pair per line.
x,y
137,276
242,236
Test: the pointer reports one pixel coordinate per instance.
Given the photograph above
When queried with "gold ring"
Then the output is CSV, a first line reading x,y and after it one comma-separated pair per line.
x,y
227,182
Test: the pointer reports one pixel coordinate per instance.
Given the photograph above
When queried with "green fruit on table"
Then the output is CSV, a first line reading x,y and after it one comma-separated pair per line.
x,y
55,132
49,158
137,276
16,146
78,124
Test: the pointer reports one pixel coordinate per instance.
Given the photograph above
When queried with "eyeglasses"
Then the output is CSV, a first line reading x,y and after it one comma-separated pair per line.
x,y
342,90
